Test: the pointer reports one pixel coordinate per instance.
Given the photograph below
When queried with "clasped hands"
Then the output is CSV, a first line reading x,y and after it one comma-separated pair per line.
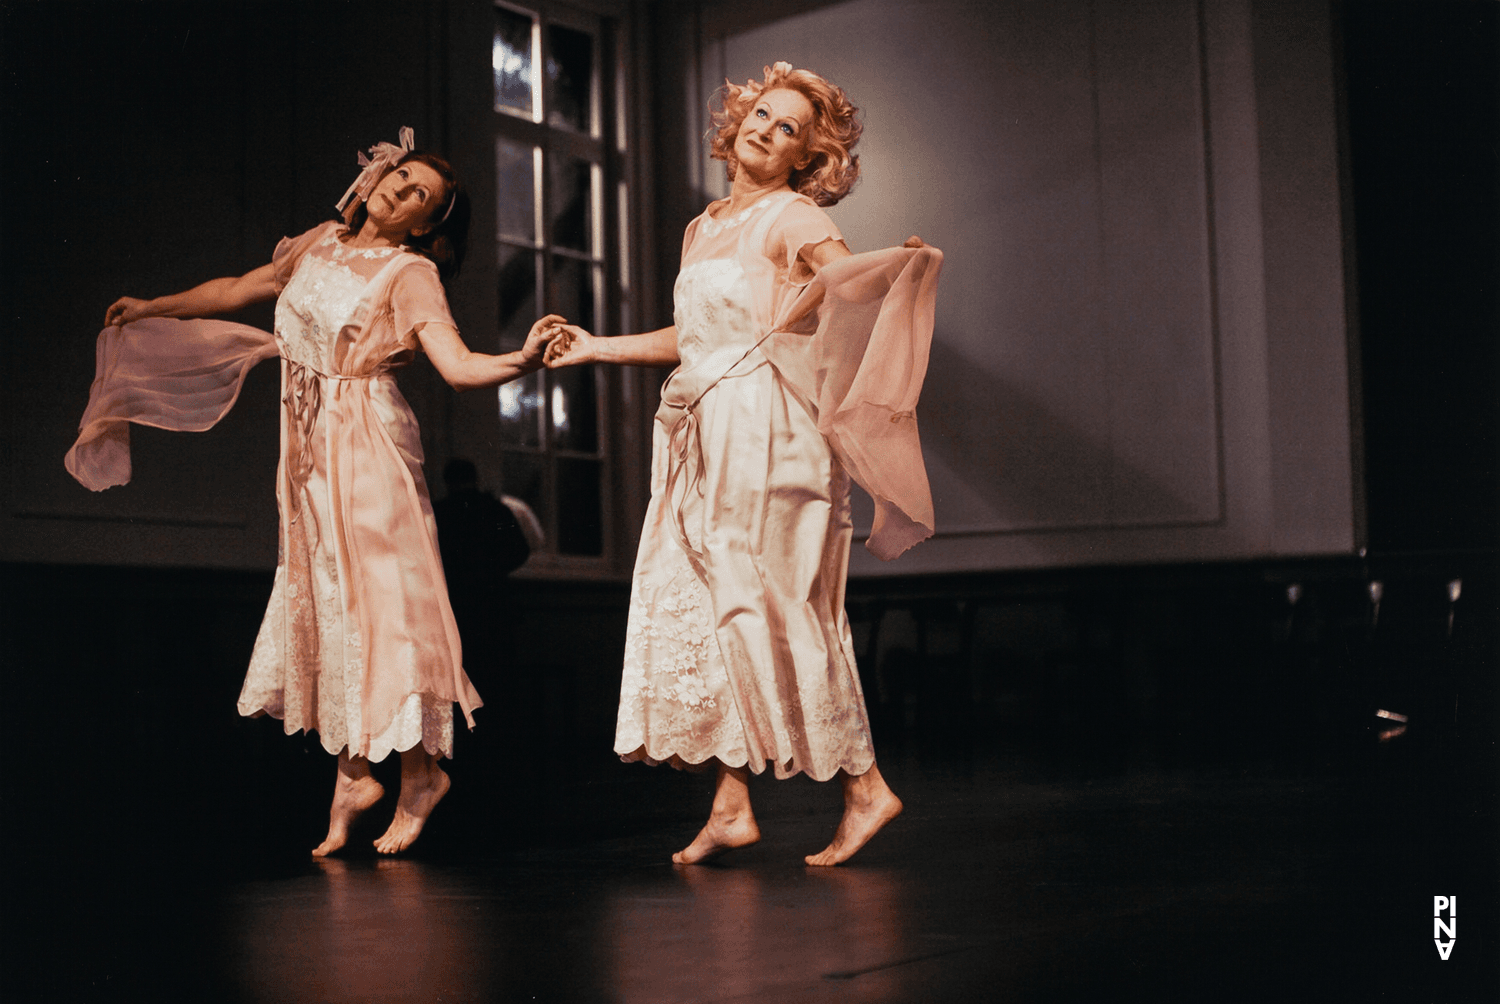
x,y
556,343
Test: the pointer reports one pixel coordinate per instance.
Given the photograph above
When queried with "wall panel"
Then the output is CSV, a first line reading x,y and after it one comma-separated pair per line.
x,y
1106,383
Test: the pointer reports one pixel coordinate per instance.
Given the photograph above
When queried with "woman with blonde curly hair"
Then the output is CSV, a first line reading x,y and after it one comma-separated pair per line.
x,y
799,368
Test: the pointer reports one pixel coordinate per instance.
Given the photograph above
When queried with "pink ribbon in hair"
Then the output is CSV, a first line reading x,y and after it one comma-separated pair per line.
x,y
385,156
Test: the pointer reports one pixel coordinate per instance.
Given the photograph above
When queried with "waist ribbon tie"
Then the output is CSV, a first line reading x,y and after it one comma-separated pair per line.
x,y
684,447
304,401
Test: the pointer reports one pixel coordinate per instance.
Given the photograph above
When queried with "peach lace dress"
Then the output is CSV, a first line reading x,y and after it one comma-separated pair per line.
x,y
738,648
358,642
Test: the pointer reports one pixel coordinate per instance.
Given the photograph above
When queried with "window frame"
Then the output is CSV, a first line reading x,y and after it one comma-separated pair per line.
x,y
606,145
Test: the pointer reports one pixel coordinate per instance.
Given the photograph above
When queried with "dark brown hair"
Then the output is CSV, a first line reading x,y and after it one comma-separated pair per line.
x,y
448,239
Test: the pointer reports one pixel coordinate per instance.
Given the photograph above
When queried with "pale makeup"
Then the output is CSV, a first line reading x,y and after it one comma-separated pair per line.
x,y
772,141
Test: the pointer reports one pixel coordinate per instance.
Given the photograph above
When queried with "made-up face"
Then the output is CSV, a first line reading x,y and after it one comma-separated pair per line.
x,y
406,197
772,141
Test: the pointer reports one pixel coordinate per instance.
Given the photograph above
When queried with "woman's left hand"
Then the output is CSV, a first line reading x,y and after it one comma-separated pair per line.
x,y
540,336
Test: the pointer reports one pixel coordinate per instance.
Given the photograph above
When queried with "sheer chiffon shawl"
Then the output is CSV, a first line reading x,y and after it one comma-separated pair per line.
x,y
185,375
161,372
853,346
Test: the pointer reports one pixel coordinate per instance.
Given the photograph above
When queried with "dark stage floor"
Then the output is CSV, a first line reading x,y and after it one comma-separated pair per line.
x,y
157,850
1003,881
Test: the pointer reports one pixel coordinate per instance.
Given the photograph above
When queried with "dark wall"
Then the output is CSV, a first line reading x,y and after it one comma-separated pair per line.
x,y
1422,110
154,146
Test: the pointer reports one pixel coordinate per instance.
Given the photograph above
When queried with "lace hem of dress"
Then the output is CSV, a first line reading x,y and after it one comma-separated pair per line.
x,y
422,719
677,761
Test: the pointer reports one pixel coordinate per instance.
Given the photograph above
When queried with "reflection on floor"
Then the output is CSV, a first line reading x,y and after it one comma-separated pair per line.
x,y
158,845
1001,882
996,886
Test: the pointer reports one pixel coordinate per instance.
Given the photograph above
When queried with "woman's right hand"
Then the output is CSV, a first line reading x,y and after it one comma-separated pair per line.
x,y
125,310
572,346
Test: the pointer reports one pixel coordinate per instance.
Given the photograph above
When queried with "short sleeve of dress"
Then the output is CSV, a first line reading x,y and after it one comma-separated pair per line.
x,y
417,298
687,238
801,225
289,252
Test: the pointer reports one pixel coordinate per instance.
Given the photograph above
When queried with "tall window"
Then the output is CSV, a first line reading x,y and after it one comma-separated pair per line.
x,y
561,203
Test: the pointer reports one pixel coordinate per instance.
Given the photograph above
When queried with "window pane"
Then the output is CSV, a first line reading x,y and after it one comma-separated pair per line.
x,y
512,59
570,73
521,414
521,476
515,190
579,526
574,410
517,281
572,202
573,291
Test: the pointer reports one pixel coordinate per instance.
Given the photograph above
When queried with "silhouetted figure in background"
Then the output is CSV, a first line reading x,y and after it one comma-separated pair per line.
x,y
359,642
481,542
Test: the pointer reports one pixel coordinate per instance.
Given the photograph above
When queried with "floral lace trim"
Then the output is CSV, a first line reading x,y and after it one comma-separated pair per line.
x,y
712,227
332,659
712,299
678,705
342,250
674,685
321,296
855,766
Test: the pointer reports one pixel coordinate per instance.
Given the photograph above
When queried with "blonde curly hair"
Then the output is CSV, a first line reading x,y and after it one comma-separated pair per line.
x,y
833,169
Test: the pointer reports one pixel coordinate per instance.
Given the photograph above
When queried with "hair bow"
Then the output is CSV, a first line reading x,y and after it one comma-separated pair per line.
x,y
385,157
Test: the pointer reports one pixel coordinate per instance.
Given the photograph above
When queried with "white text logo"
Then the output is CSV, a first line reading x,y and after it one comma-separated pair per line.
x,y
1441,928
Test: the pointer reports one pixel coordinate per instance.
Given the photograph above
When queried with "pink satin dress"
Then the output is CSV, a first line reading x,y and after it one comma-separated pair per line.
x,y
358,642
738,647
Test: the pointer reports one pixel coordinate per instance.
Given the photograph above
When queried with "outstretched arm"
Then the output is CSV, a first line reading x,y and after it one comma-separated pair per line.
x,y
217,296
466,370
574,346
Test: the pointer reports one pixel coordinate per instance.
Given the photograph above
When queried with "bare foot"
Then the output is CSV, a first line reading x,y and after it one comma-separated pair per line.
x,y
868,805
351,796
421,790
723,833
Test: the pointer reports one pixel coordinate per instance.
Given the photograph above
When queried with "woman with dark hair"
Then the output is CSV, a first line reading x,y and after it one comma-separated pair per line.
x,y
358,642
800,366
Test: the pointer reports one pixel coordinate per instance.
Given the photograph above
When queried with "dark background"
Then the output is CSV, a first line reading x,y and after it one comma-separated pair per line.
x,y
131,782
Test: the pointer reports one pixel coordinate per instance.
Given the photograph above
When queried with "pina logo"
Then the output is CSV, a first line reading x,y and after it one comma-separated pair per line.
x,y
1445,928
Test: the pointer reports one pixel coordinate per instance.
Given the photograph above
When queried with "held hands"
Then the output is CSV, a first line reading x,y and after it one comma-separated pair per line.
x,y
572,346
125,310
540,338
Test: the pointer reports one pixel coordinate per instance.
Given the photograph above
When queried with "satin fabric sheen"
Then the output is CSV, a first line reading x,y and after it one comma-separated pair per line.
x,y
738,647
359,640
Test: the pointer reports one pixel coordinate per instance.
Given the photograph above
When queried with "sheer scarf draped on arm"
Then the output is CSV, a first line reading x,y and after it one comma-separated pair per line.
x,y
185,375
853,346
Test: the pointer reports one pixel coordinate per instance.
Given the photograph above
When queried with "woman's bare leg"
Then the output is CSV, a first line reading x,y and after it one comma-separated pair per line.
x,y
423,785
869,804
731,823
354,791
